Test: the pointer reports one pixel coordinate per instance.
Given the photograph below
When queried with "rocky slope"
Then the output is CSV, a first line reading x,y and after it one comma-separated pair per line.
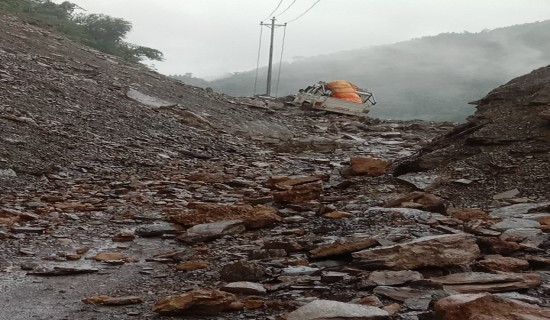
x,y
128,195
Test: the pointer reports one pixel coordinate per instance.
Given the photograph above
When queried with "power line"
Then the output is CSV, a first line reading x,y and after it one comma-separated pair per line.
x,y
258,60
298,17
285,10
272,12
280,63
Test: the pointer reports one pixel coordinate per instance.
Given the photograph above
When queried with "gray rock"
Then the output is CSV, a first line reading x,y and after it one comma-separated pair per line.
x,y
148,100
506,194
327,309
7,173
419,181
244,287
516,210
209,231
298,271
391,278
515,223
156,229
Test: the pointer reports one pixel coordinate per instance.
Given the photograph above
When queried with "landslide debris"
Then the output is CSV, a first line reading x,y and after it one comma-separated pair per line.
x,y
501,154
128,195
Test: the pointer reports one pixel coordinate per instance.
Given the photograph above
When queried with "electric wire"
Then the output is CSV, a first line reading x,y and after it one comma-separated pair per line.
x,y
285,10
298,17
272,12
280,63
258,59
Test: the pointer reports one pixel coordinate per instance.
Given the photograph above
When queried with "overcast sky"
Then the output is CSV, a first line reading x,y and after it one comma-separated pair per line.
x,y
210,38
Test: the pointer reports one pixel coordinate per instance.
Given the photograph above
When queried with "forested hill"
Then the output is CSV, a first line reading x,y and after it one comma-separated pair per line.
x,y
430,78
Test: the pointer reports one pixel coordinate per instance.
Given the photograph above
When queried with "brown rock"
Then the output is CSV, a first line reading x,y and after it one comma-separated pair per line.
x,y
195,302
496,245
418,200
370,166
253,304
392,308
290,182
342,247
476,282
110,256
123,236
253,217
488,307
468,214
443,250
191,265
299,194
337,215
110,301
506,264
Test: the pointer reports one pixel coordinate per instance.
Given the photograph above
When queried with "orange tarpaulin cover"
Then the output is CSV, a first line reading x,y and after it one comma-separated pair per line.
x,y
345,90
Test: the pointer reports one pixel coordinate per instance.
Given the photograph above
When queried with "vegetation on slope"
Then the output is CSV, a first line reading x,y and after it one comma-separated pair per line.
x,y
99,31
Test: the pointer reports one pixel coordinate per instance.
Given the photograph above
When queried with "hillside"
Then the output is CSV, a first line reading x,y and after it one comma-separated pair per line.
x,y
126,194
431,78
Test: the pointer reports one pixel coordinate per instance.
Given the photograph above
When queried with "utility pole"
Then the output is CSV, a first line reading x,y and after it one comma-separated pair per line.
x,y
271,25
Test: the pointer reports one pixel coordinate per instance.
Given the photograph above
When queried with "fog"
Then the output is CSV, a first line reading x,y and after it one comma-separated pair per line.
x,y
217,37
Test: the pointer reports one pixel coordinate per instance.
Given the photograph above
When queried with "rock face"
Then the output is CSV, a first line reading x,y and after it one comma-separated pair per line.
x,y
488,307
195,302
444,250
327,309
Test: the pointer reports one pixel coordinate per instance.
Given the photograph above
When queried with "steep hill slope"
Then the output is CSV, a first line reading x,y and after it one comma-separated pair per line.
x,y
64,108
505,146
429,78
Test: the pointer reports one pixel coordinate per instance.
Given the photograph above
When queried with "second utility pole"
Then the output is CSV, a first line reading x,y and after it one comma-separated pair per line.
x,y
270,65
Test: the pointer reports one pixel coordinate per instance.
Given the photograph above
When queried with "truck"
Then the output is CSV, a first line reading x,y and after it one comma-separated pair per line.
x,y
318,97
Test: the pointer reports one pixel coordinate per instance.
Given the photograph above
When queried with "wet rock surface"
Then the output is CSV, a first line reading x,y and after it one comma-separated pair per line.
x,y
128,195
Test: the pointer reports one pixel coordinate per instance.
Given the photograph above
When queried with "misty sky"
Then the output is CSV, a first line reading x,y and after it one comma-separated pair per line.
x,y
210,38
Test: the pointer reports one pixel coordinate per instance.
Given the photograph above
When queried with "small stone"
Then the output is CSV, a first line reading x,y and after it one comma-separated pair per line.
x,y
244,287
337,215
327,309
109,256
506,194
191,265
109,301
207,302
242,271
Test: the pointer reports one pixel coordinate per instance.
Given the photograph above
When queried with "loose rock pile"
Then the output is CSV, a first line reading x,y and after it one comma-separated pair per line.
x,y
127,195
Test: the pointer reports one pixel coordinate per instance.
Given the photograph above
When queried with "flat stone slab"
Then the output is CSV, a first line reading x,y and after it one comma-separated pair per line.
x,y
419,181
516,210
515,223
478,282
244,287
148,100
328,309
437,251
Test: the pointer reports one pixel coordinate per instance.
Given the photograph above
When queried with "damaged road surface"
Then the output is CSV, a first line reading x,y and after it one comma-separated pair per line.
x,y
129,195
